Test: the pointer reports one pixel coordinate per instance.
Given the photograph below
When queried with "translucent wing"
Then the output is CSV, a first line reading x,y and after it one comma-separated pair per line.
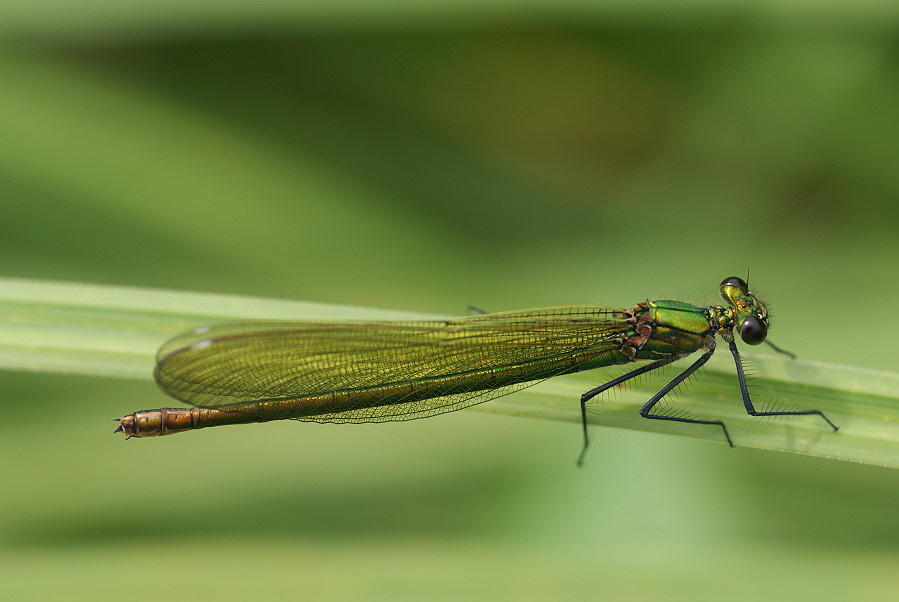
x,y
378,371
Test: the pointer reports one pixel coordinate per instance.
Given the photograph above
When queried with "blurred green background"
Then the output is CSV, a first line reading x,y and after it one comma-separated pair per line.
x,y
429,156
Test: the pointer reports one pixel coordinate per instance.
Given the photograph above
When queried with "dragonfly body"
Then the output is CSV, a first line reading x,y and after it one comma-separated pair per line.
x,y
381,371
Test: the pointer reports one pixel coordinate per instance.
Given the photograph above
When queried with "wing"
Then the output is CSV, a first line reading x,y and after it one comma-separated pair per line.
x,y
384,370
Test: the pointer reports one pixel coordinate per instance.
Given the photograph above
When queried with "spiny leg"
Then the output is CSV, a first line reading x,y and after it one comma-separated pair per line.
x,y
647,408
747,402
605,387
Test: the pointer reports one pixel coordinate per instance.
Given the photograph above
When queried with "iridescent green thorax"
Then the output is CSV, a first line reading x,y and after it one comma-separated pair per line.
x,y
665,329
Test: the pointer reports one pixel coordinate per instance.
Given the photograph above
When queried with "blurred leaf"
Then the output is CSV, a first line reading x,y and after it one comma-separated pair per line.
x,y
93,16
115,331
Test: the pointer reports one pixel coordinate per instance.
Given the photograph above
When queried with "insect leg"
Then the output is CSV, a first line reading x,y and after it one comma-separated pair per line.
x,y
605,387
779,350
647,408
747,402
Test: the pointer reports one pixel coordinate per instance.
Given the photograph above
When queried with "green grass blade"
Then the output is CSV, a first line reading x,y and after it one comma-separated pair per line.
x,y
115,331
863,403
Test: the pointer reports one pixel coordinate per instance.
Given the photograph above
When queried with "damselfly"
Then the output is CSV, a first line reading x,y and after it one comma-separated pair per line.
x,y
243,372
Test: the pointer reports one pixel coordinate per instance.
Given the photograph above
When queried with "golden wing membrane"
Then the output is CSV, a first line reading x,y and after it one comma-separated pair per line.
x,y
378,371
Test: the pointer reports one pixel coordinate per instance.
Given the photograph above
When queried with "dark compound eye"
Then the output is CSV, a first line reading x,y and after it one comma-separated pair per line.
x,y
735,281
753,331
